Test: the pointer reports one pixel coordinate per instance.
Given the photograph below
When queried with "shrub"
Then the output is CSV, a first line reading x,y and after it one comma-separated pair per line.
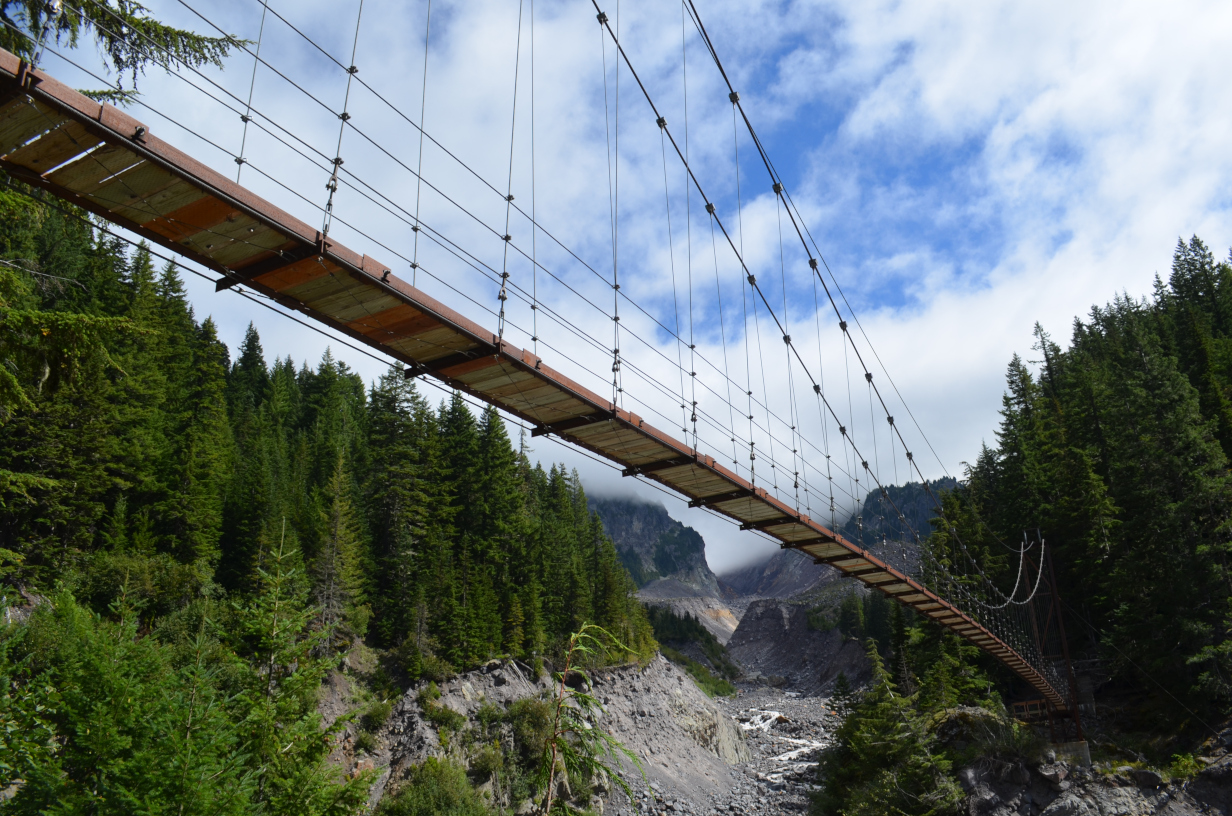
x,y
443,717
1184,766
435,788
376,715
531,719
365,742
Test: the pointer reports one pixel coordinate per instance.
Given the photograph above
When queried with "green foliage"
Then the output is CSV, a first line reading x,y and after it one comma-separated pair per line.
x,y
851,617
435,788
128,38
1184,766
681,630
442,716
115,722
705,680
821,619
574,742
1117,450
531,720
884,761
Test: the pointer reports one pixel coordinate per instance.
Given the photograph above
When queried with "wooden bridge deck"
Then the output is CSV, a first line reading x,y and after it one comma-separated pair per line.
x,y
102,160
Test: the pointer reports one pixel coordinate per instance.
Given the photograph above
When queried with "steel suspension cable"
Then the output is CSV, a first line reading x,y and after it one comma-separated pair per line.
x,y
252,84
332,184
513,124
423,107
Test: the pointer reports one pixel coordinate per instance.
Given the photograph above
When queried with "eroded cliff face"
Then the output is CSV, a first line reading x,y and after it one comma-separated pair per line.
x,y
652,545
786,574
774,641
686,742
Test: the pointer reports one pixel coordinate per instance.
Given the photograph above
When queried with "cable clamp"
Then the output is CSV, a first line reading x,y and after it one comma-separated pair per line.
x,y
813,263
842,324
505,275
344,116
734,97
602,18
240,160
778,188
138,133
890,420
616,286
385,276
616,318
415,228
841,429
507,238
752,280
868,375
337,161
414,265
816,388
787,339
245,118
353,70
908,454
709,208
661,122
509,197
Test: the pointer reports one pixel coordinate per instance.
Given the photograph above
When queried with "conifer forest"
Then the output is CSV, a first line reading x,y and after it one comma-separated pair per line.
x,y
210,533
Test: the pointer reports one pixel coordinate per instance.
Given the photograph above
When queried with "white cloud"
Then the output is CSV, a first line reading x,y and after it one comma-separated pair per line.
x,y
967,169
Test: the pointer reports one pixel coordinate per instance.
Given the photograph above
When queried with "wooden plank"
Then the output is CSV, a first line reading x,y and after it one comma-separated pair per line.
x,y
84,174
21,121
53,149
133,187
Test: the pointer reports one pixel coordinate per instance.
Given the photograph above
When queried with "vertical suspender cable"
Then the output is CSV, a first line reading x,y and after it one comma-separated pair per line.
x,y
503,295
534,223
617,379
607,127
423,104
688,224
344,117
671,254
744,295
252,84
718,293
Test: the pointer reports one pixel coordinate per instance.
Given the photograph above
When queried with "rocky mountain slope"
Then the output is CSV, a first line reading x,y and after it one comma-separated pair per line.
x,y
787,573
668,562
774,642
652,545
688,744
877,516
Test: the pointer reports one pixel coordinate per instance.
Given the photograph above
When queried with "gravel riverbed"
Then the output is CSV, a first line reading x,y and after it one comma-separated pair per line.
x,y
785,733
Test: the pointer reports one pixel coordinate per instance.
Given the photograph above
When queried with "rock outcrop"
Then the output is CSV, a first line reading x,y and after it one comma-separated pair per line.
x,y
774,641
686,742
996,788
786,574
668,562
652,545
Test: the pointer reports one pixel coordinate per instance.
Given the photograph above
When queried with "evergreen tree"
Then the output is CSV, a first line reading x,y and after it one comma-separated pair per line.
x,y
340,590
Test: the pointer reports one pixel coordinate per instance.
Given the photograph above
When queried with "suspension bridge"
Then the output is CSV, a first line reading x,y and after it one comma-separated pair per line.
x,y
102,160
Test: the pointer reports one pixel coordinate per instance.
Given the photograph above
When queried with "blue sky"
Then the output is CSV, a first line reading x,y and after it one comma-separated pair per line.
x,y
966,169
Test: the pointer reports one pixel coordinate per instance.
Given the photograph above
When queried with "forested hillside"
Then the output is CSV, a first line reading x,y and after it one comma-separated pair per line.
x,y
192,528
1115,451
